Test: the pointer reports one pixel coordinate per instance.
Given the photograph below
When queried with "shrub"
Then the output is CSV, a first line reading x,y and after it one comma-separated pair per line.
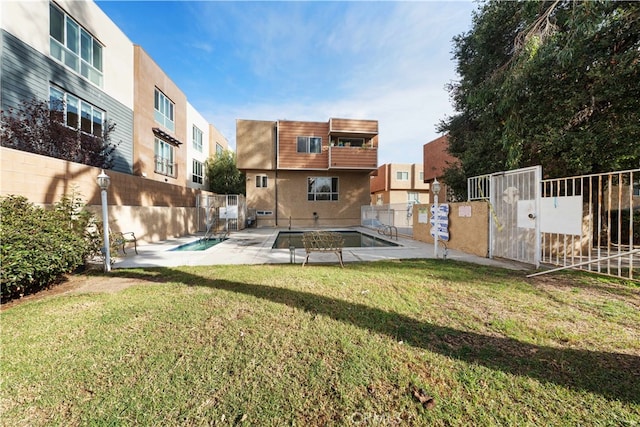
x,y
38,245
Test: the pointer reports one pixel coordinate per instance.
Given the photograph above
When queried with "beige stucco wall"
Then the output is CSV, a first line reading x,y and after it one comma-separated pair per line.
x,y
292,200
293,203
216,138
467,234
255,144
149,76
151,209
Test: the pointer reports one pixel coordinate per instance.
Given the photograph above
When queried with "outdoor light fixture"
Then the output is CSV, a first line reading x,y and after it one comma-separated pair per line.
x,y
103,181
436,223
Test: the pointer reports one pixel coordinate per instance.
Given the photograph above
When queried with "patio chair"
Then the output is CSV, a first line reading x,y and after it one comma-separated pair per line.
x,y
122,238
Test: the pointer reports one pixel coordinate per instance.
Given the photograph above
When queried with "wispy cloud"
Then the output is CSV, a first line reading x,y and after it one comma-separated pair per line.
x,y
388,61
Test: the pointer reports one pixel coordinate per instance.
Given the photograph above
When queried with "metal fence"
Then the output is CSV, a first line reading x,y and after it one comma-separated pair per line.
x,y
218,212
399,215
592,222
587,222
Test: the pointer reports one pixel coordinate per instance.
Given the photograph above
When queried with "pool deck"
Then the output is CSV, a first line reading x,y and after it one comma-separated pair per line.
x,y
253,246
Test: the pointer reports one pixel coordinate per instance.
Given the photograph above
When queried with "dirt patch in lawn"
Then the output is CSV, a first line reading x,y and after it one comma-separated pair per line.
x,y
78,283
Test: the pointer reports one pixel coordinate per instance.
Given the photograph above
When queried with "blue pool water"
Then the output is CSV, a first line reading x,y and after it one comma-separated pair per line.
x,y
352,239
198,245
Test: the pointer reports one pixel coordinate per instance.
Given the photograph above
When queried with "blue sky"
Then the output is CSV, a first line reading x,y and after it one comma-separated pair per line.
x,y
387,61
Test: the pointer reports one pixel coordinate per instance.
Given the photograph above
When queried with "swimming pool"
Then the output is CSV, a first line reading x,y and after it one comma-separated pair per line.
x,y
352,239
198,245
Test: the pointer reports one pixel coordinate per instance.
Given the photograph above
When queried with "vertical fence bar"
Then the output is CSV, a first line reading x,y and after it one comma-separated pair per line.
x,y
631,215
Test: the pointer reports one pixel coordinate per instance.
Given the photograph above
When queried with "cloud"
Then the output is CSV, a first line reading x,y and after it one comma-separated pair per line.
x,y
388,61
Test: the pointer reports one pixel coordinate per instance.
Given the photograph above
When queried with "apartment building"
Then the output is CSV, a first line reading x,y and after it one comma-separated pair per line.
x,y
205,140
397,183
70,51
307,174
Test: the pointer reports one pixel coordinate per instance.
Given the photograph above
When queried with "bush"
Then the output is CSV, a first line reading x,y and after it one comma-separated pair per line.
x,y
38,245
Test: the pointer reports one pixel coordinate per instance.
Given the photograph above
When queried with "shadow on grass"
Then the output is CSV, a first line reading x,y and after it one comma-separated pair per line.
x,y
612,375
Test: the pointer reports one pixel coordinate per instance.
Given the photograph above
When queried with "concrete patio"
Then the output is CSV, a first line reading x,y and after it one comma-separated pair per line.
x,y
254,246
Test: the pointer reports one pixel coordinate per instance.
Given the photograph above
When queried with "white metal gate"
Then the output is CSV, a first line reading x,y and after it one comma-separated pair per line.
x,y
216,212
591,222
514,230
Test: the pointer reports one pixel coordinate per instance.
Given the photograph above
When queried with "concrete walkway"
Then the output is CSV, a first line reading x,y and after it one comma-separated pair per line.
x,y
254,246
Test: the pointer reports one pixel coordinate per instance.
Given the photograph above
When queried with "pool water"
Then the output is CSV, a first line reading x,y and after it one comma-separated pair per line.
x,y
352,239
198,245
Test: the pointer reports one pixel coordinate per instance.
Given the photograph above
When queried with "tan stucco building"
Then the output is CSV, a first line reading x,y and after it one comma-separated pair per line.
x,y
399,183
307,174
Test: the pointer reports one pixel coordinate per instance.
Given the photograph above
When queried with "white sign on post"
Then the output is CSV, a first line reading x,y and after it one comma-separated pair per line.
x,y
440,222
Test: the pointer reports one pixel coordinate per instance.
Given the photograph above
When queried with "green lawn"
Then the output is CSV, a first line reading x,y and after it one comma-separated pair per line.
x,y
320,345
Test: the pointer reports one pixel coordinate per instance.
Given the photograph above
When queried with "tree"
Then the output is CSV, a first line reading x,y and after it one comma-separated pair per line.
x,y
551,83
36,128
223,175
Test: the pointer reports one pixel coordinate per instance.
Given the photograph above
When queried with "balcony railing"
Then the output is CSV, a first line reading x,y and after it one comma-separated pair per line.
x,y
353,158
165,167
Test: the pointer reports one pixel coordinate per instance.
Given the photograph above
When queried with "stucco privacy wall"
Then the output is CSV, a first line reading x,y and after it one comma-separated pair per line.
x,y
468,234
153,210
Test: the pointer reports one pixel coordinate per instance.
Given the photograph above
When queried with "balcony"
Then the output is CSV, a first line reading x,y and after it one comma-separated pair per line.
x,y
363,158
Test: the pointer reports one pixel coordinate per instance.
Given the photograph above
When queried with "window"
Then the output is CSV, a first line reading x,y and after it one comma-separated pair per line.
x,y
402,176
264,213
197,174
413,197
76,113
163,110
219,149
421,176
309,144
74,46
164,158
322,188
197,139
261,181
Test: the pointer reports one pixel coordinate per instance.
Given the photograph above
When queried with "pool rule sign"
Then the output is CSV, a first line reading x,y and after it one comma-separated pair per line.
x,y
440,222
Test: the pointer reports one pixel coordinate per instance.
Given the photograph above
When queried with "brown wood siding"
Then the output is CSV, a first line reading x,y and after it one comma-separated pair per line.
x,y
354,158
379,182
353,125
288,156
436,158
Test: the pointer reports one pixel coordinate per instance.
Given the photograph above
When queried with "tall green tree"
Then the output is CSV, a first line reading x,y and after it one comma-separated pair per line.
x,y
555,83
223,174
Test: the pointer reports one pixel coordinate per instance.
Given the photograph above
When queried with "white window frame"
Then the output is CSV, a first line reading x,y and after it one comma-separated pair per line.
x,y
219,149
262,181
78,50
314,188
197,172
164,155
197,139
164,110
421,176
306,143
402,176
413,197
87,118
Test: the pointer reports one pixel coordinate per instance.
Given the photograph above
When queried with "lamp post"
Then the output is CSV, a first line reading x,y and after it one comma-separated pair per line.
x,y
103,181
436,222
